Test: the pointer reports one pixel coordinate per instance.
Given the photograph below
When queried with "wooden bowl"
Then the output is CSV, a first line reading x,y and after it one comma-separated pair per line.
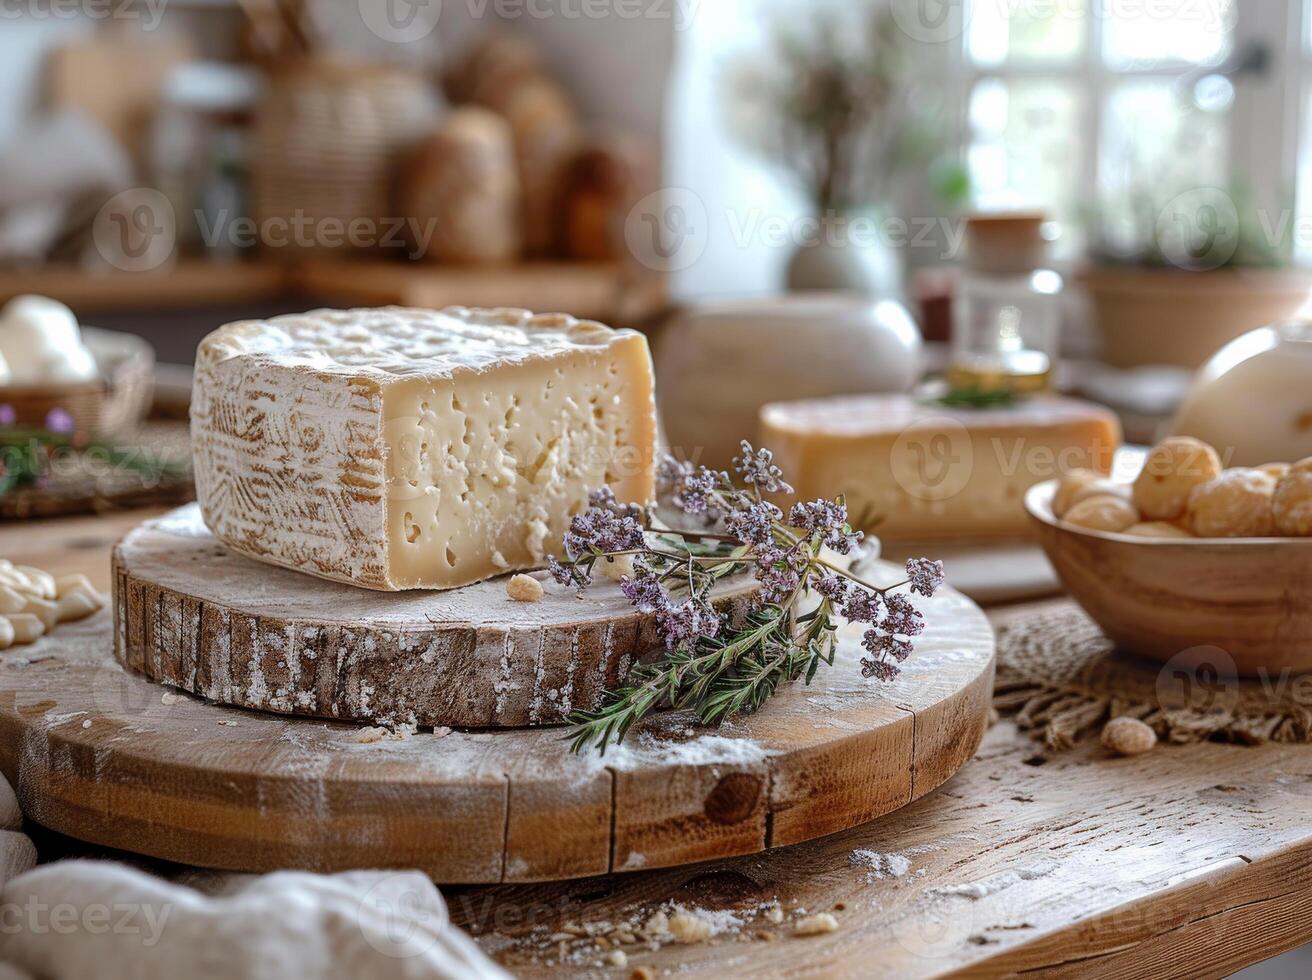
x,y
1164,597
113,403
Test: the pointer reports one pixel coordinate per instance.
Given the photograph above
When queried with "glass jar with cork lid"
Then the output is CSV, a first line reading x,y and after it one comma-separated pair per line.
x,y
1006,313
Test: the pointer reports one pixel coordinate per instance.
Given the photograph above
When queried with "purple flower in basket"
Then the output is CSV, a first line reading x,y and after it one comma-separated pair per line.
x,y
58,420
7,415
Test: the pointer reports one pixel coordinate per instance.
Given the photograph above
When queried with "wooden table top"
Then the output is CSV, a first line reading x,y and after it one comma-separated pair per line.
x,y
1189,861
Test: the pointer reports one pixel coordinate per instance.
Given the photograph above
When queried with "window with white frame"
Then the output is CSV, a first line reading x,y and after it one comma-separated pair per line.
x,y
1103,111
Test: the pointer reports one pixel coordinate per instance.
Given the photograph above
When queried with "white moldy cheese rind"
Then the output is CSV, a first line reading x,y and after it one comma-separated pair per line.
x,y
403,448
911,469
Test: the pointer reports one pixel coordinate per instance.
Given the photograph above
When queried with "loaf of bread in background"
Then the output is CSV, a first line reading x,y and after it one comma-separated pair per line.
x,y
462,191
508,74
604,181
547,136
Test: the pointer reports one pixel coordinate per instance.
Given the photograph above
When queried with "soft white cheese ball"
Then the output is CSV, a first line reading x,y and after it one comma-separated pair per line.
x,y
1291,506
1174,467
41,342
1071,483
1104,512
1156,529
5,376
1236,504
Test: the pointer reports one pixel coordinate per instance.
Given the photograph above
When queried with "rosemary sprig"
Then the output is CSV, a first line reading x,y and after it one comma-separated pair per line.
x,y
711,666
976,397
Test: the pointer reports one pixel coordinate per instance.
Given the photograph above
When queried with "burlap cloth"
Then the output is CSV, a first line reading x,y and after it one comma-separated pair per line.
x,y
1063,679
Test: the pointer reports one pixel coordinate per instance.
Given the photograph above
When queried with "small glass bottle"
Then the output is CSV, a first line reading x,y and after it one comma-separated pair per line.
x,y
1006,312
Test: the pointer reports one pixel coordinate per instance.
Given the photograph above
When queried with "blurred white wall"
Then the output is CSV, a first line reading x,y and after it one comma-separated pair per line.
x,y
24,42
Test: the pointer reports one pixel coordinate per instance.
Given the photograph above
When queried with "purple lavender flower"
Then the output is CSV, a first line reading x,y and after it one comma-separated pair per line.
x,y
686,623
7,415
601,531
58,420
777,584
605,499
754,524
828,519
567,575
862,606
671,472
883,644
643,590
925,575
832,587
902,617
758,469
695,495
881,670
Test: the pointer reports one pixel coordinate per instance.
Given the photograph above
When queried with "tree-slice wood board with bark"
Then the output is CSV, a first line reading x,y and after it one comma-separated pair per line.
x,y
196,615
107,756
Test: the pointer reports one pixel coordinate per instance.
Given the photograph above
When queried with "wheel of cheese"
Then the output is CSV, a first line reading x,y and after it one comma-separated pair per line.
x,y
398,448
193,613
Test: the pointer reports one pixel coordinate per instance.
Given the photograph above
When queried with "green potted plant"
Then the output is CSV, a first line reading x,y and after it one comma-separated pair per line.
x,y
1180,272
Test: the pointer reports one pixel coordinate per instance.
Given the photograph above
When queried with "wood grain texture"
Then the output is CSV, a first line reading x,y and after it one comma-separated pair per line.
x,y
623,294
161,774
203,618
1179,599
614,293
1188,862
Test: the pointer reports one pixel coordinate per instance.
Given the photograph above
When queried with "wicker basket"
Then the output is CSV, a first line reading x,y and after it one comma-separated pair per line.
x,y
329,139
116,402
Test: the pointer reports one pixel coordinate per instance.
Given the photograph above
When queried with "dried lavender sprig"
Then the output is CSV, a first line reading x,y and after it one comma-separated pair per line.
x,y
708,665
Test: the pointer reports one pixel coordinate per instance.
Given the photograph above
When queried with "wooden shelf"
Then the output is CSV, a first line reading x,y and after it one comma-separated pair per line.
x,y
187,284
604,291
607,291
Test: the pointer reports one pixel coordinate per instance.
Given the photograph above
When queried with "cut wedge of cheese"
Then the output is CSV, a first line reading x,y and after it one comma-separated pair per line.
x,y
403,448
912,469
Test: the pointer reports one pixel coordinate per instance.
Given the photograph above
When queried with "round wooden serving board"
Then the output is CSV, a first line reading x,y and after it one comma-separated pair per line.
x,y
105,755
193,614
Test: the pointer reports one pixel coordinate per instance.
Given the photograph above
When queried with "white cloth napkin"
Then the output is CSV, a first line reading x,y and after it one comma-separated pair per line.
x,y
76,919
